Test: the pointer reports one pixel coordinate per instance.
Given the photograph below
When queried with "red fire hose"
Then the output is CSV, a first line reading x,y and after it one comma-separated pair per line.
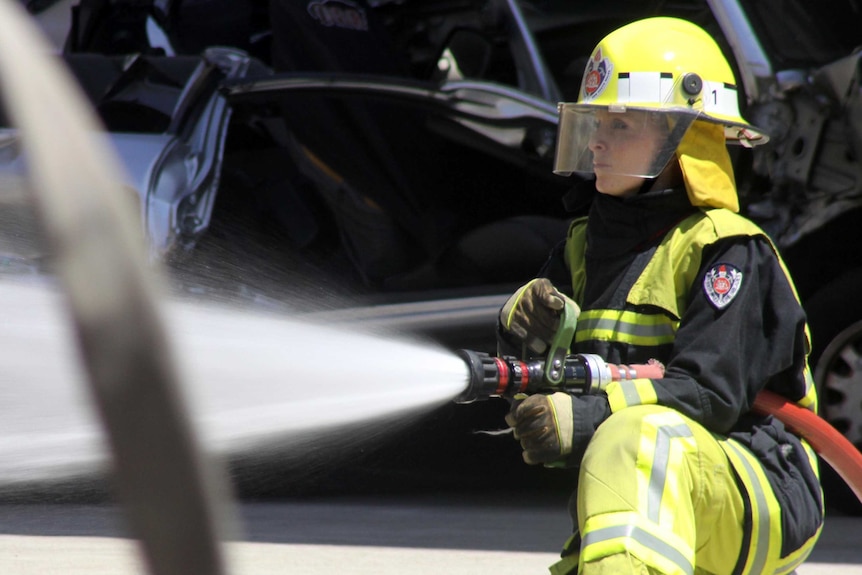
x,y
833,447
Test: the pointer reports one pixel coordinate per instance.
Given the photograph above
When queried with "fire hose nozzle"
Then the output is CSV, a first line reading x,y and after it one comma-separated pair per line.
x,y
491,376
488,376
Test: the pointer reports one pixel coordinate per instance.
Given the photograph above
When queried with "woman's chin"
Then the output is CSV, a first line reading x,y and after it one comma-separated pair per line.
x,y
616,185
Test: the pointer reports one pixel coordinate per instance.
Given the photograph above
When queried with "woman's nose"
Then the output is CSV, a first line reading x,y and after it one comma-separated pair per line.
x,y
596,142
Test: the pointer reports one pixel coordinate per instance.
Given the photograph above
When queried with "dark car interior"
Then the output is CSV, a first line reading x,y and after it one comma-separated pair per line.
x,y
381,194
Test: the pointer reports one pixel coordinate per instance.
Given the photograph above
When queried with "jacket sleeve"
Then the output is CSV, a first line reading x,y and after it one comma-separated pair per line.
x,y
728,349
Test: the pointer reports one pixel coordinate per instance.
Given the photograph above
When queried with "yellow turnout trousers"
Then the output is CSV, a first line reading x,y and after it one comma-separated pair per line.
x,y
658,493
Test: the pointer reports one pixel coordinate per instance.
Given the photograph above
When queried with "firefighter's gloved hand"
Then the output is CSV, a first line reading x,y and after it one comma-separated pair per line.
x,y
544,424
533,312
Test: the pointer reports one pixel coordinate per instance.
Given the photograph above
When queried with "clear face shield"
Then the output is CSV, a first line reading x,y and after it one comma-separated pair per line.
x,y
618,140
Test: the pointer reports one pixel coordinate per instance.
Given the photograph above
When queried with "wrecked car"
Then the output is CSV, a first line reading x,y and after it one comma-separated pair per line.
x,y
392,158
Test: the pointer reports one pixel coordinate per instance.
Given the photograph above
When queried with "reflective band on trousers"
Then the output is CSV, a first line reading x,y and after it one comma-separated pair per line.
x,y
661,462
761,536
625,326
650,531
620,536
763,554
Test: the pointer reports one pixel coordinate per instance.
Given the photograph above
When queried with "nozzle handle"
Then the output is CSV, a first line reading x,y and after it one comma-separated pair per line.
x,y
559,349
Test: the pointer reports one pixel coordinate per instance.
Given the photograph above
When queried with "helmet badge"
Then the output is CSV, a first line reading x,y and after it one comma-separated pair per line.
x,y
596,76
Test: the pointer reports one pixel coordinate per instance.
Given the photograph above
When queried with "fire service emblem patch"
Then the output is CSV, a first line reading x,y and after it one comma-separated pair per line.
x,y
721,284
596,76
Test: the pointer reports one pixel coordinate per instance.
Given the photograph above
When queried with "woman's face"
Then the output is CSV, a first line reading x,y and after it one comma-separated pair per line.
x,y
624,144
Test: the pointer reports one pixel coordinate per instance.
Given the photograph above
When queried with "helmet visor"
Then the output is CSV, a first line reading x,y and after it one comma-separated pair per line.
x,y
618,140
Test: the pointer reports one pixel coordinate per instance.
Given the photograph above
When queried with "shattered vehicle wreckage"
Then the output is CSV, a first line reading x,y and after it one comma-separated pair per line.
x,y
390,156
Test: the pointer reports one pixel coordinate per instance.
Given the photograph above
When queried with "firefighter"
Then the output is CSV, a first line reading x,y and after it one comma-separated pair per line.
x,y
676,475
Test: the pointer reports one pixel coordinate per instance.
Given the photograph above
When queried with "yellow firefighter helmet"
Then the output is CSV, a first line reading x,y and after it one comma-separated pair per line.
x,y
665,69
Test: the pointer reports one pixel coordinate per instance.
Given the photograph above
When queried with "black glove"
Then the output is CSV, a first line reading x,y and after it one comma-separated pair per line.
x,y
544,424
532,314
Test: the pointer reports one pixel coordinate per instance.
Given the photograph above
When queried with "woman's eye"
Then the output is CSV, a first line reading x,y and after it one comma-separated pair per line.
x,y
619,125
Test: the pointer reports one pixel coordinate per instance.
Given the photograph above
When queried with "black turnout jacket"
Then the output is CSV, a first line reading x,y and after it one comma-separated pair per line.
x,y
719,359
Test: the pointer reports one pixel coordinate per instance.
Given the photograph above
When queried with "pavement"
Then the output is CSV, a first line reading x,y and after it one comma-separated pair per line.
x,y
353,535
